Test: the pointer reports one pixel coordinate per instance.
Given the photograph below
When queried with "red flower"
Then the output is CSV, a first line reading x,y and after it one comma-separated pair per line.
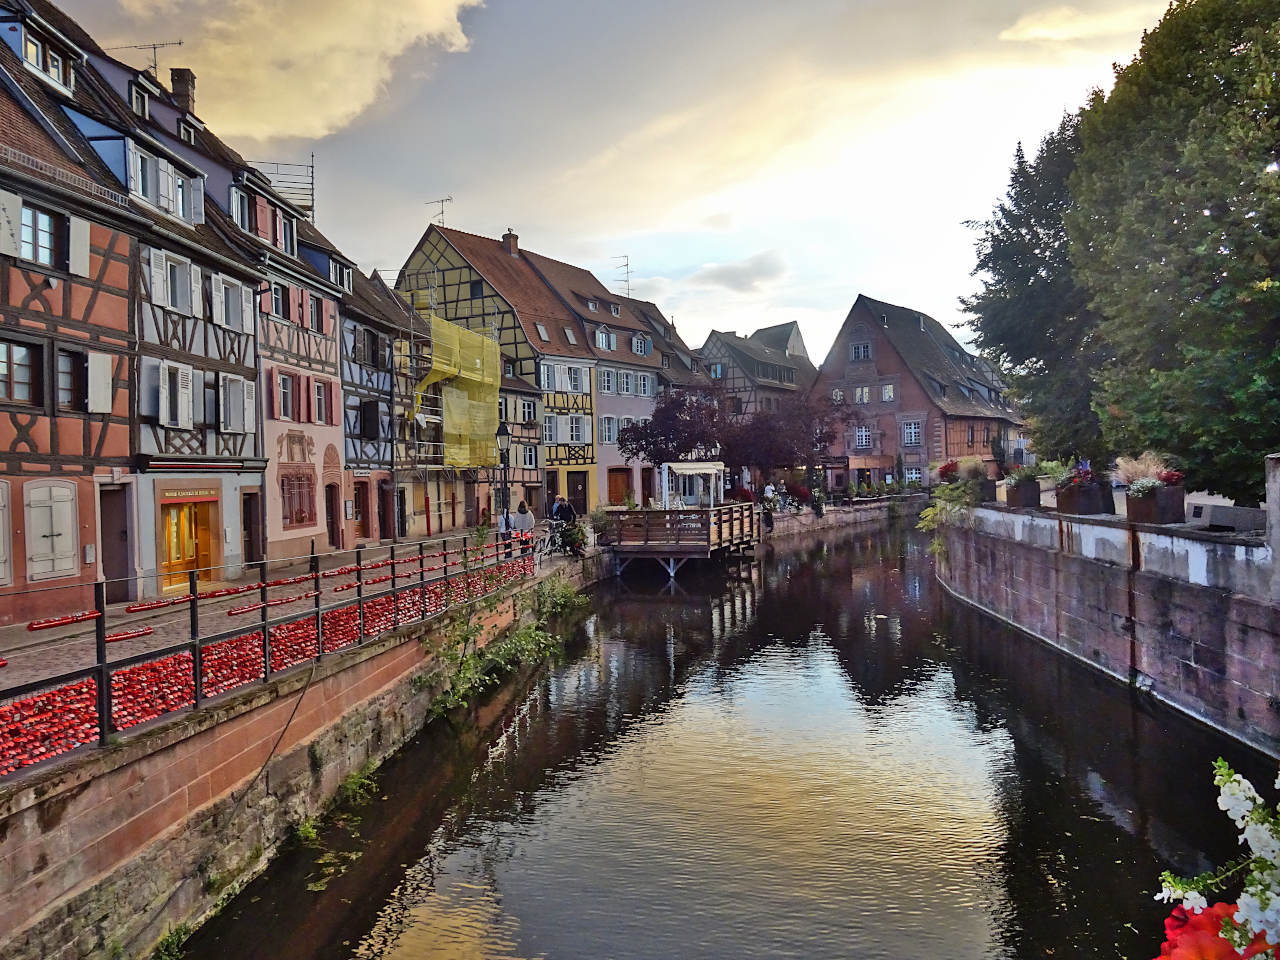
x,y
1198,936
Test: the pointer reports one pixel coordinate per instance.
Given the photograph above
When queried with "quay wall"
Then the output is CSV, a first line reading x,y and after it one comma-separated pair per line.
x,y
105,851
854,514
1189,617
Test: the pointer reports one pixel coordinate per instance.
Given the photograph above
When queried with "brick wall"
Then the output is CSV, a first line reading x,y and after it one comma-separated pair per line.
x,y
114,847
1186,616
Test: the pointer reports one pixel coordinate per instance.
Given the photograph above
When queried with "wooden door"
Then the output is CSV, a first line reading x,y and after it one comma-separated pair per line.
x,y
619,485
578,491
178,551
553,490
206,544
115,543
332,506
646,485
251,527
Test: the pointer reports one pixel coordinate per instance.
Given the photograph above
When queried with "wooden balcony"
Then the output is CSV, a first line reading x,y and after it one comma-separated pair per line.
x,y
676,535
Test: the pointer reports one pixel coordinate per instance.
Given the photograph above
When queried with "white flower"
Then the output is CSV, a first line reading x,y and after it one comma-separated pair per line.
x,y
1278,781
1262,841
1194,901
1238,798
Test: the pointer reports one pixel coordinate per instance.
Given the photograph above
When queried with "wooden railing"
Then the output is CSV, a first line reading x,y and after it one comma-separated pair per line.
x,y
692,528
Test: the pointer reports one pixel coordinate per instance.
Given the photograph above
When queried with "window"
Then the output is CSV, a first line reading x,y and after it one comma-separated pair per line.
x,y
45,59
288,236
542,332
528,411
913,475
52,521
716,371
477,289
624,381
20,373
229,305
182,196
666,361
340,274
72,381
735,406
39,242
615,309
604,380
548,429
861,394
608,429
625,422
837,395
546,376
138,100
186,133
886,393
175,404
568,335
178,284
986,433
644,384
971,434
241,210
287,399
575,380
862,437
321,414
911,433
641,345
502,409
145,175
606,339
593,306
529,457
859,351
33,50
298,499
277,300
315,313
575,429
235,404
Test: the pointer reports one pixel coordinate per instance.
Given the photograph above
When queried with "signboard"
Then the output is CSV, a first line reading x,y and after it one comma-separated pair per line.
x,y
203,494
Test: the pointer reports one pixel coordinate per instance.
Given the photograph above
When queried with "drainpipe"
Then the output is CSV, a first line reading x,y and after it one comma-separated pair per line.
x,y
1273,522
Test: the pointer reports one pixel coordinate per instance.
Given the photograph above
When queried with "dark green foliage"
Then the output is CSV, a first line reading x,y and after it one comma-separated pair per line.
x,y
170,946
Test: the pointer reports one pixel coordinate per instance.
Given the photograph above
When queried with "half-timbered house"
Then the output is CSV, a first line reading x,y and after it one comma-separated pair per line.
x,y
759,373
68,254
916,396
520,408
489,285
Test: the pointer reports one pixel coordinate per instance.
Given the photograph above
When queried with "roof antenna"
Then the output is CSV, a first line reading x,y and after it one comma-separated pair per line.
x,y
153,47
438,219
625,269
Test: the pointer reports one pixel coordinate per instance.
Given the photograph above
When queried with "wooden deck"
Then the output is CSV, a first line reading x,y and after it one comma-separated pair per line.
x,y
673,536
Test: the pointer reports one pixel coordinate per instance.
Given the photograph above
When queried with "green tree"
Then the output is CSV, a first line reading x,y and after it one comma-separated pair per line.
x,y
1031,318
1175,234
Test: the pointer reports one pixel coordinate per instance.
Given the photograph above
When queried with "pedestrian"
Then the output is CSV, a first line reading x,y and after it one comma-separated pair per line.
x,y
522,524
769,490
505,529
564,511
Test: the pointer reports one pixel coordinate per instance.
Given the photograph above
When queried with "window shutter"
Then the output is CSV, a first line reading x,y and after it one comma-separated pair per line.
x,y
562,378
224,402
278,236
162,397
78,247
370,428
273,392
166,190
562,428
99,399
219,296
185,397
6,571
308,400
196,186
159,296
51,529
10,222
250,407
246,304
604,433
135,166
197,293
586,429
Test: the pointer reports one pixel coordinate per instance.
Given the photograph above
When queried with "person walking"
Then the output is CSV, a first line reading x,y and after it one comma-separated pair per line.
x,y
505,529
522,526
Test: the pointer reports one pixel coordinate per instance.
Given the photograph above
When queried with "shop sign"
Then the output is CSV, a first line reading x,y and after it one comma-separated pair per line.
x,y
189,496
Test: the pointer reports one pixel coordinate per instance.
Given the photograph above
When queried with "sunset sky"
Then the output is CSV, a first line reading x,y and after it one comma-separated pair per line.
x,y
758,161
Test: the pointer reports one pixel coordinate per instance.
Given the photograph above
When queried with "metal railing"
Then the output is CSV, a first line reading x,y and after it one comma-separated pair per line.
x,y
410,584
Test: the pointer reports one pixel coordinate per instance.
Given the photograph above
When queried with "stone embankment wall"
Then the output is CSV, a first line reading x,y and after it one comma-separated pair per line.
x,y
1190,617
860,512
102,853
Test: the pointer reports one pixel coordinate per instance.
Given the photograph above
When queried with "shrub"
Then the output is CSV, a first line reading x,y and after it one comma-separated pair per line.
x,y
949,471
972,468
800,493
1148,466
1020,475
599,520
742,494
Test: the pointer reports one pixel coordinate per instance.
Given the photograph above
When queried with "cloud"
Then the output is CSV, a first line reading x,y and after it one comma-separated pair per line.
x,y
1066,24
271,69
743,276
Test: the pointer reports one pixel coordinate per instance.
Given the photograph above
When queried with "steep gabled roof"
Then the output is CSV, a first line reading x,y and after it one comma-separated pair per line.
x,y
668,341
778,337
749,352
936,359
519,284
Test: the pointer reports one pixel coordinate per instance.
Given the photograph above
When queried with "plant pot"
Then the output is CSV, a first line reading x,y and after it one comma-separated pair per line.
x,y
986,491
1081,499
1023,494
1142,509
1164,505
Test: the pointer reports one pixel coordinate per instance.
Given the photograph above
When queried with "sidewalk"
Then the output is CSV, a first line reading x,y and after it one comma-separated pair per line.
x,y
33,655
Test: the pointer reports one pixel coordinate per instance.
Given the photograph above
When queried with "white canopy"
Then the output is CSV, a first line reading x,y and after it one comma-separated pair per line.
x,y
697,466
699,494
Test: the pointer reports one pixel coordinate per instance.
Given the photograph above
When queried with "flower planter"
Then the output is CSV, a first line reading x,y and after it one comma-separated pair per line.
x,y
1165,505
986,491
1023,495
1082,498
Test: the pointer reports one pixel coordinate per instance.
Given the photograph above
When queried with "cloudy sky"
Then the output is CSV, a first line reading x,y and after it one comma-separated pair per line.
x,y
757,161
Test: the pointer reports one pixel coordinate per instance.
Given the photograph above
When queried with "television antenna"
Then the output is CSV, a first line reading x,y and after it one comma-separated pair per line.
x,y
439,217
624,268
154,48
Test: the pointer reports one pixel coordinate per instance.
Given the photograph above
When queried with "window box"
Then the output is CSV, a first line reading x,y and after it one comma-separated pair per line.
x,y
1082,499
1166,505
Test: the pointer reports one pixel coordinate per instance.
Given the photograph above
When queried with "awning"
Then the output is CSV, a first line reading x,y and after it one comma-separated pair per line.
x,y
702,466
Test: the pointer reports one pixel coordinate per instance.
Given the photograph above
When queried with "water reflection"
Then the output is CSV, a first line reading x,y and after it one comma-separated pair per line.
x,y
818,755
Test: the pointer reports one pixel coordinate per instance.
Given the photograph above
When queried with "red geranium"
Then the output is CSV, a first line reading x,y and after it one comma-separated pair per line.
x,y
1170,478
1198,936
801,494
949,471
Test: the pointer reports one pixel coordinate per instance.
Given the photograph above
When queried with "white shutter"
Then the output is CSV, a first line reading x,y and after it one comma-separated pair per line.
x,y
197,293
135,167
196,186
159,279
51,529
562,378
162,397
586,429
166,191
100,386
10,223
6,526
246,303
185,397
250,407
219,296
78,247
225,398
562,428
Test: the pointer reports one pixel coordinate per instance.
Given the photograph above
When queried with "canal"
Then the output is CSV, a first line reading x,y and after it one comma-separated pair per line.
x,y
818,756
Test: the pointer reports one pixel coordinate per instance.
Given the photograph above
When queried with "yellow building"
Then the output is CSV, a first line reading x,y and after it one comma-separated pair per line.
x,y
488,286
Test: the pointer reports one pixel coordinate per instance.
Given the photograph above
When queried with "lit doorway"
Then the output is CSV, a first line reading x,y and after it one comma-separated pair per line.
x,y
188,543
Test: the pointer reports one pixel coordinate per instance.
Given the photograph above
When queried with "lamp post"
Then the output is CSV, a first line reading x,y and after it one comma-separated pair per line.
x,y
503,437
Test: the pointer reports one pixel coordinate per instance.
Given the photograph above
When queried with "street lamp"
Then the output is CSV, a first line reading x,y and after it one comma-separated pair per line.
x,y
503,437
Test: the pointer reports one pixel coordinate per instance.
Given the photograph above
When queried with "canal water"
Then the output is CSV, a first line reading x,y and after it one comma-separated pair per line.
x,y
818,756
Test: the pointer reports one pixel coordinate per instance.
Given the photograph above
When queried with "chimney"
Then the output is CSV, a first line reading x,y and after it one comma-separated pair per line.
x,y
183,83
511,242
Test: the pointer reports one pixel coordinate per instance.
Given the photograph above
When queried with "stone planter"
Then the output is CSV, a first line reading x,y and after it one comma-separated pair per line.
x,y
1082,499
1025,494
986,491
1165,505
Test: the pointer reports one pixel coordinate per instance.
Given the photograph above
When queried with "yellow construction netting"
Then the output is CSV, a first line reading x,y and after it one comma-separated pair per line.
x,y
468,367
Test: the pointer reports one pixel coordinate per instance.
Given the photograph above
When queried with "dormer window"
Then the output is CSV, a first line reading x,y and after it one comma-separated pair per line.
x,y
241,210
641,345
186,133
340,274
139,101
288,236
568,335
593,305
606,339
44,58
542,332
615,309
